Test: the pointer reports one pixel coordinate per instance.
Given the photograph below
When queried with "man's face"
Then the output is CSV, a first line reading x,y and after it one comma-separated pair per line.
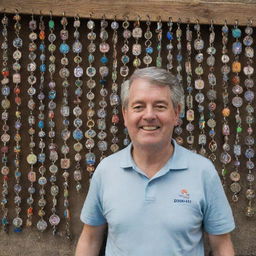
x,y
150,116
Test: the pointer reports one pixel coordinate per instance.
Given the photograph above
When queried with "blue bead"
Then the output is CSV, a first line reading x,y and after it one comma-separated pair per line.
x,y
169,35
17,230
4,221
78,134
17,174
90,162
6,91
125,59
179,57
41,124
42,47
41,158
64,48
236,32
42,67
65,122
52,95
103,81
149,50
90,58
104,60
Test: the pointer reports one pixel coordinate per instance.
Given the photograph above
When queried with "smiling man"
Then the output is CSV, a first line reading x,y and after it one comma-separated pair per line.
x,y
156,197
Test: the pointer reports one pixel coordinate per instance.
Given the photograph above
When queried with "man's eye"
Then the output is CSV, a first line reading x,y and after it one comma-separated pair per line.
x,y
161,107
137,107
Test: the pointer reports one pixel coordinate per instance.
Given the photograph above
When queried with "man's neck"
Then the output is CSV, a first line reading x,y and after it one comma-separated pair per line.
x,y
151,160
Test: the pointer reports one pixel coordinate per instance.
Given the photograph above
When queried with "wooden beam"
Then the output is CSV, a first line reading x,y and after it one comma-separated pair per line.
x,y
204,11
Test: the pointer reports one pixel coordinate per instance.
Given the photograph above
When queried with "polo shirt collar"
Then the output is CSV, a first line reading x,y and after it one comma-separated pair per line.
x,y
176,162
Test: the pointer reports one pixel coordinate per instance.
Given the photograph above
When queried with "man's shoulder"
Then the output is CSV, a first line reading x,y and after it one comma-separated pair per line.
x,y
193,158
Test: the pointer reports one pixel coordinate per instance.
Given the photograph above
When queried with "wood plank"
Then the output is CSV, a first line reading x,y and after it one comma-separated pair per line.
x,y
204,11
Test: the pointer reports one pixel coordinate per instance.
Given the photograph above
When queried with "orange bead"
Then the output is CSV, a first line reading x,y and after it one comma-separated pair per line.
x,y
115,119
236,66
42,35
30,210
235,79
18,100
5,73
226,112
17,90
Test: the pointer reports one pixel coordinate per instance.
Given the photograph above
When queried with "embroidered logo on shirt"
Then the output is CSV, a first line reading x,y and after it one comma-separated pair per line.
x,y
184,197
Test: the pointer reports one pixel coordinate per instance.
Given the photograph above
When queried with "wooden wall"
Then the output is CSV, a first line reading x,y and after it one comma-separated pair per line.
x,y
217,10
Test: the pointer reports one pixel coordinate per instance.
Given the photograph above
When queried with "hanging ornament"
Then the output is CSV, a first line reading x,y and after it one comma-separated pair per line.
x,y
211,94
16,79
54,219
199,85
190,114
5,136
65,112
237,102
147,59
104,72
178,129
31,157
77,110
225,157
114,97
250,119
42,180
90,133
136,47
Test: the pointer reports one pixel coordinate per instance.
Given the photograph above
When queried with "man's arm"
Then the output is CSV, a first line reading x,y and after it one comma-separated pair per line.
x,y
90,240
221,245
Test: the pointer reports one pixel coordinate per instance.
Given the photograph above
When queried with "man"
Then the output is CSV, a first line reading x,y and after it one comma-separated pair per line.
x,y
156,197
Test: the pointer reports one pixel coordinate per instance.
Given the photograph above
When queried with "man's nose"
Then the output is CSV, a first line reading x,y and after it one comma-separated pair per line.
x,y
149,113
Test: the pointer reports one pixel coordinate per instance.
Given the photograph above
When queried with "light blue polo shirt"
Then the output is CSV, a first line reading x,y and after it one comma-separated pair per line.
x,y
161,216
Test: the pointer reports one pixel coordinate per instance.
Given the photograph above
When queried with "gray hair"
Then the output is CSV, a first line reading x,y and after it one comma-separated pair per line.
x,y
156,76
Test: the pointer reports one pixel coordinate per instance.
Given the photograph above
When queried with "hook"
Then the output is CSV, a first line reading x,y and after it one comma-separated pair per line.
x,y
236,22
170,19
226,23
179,20
63,14
50,14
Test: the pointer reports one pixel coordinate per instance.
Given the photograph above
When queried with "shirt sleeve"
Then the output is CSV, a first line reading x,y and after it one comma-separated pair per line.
x,y
92,213
218,217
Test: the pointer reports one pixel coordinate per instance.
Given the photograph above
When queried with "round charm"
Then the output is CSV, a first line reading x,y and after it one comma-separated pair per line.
x,y
199,44
78,147
78,71
237,89
89,144
102,135
199,97
77,47
235,187
237,102
225,158
104,47
53,169
31,159
41,225
90,71
249,52
102,145
137,32
235,176
199,84
54,219
237,48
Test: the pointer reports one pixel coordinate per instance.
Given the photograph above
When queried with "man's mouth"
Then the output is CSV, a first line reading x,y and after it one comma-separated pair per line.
x,y
149,128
